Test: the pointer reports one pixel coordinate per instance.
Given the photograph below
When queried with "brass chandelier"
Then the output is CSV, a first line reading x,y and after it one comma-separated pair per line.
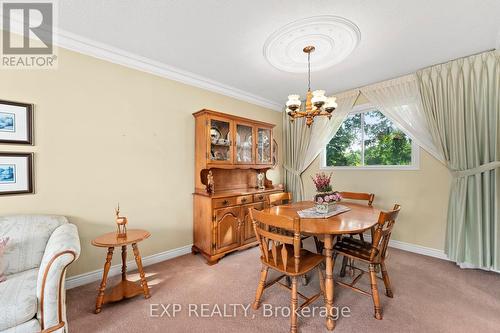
x,y
317,104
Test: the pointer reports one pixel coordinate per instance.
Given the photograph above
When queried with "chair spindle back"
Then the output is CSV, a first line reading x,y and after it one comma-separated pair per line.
x,y
383,231
266,227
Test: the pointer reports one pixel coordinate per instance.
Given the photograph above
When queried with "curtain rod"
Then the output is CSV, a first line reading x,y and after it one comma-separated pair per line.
x,y
399,76
466,56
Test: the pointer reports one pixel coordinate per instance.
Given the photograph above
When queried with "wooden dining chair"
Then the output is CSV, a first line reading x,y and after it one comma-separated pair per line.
x,y
360,196
277,199
283,198
284,254
368,197
373,253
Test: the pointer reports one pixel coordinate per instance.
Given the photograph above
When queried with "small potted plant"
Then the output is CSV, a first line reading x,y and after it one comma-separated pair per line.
x,y
325,199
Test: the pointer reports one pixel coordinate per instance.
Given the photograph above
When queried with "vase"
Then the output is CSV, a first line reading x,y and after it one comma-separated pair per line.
x,y
325,207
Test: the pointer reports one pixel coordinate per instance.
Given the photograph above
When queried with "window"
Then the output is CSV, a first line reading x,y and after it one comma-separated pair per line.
x,y
368,139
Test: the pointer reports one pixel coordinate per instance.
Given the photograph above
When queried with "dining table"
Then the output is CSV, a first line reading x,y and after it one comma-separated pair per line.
x,y
359,218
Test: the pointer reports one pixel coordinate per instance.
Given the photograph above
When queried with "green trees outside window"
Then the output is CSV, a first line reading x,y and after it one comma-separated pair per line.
x,y
369,139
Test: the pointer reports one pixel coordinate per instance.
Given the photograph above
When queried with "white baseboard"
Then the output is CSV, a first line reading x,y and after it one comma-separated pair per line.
x,y
85,278
418,249
426,251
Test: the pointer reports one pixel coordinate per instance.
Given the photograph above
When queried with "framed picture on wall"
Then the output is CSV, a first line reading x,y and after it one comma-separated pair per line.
x,y
16,122
16,173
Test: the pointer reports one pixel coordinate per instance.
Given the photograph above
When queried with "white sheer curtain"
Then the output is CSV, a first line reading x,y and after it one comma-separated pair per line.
x,y
323,129
399,100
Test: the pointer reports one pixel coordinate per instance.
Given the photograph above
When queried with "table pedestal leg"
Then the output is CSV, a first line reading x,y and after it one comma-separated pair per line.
x,y
138,260
329,288
124,262
100,295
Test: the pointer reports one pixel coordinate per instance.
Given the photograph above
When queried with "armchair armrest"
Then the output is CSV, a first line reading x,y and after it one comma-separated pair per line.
x,y
63,247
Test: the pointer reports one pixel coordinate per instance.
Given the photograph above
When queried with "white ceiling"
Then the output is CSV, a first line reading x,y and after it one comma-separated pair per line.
x,y
222,40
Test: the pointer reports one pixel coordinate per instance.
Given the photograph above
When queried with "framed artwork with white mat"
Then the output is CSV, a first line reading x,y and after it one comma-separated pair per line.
x,y
16,173
16,123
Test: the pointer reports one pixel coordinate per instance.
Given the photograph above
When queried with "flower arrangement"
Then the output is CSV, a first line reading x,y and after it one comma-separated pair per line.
x,y
325,199
322,182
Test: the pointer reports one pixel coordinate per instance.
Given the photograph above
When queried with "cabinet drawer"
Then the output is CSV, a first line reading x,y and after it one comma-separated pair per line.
x,y
244,199
224,202
259,197
232,201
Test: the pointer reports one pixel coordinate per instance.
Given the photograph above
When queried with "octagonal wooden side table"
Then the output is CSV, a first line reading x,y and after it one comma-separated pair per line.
x,y
125,288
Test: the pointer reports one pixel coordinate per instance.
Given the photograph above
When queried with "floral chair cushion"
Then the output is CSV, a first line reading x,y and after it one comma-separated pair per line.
x,y
28,327
3,245
28,237
18,302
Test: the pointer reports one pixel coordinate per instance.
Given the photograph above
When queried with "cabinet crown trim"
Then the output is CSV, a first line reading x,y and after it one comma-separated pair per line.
x,y
233,117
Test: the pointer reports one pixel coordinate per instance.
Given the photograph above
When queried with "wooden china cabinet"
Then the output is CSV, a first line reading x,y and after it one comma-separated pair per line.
x,y
232,151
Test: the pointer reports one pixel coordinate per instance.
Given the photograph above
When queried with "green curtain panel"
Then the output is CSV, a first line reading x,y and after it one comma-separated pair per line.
x,y
461,103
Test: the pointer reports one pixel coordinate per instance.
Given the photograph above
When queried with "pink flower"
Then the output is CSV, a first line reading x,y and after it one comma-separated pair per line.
x,y
327,198
322,182
319,200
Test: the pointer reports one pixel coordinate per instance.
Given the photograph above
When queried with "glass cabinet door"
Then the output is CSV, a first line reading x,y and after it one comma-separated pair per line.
x,y
220,141
264,143
244,144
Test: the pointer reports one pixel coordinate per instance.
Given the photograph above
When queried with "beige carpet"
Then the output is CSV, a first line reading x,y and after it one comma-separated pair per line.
x,y
431,295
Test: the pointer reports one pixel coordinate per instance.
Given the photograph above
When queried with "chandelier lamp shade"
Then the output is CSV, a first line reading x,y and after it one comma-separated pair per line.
x,y
317,103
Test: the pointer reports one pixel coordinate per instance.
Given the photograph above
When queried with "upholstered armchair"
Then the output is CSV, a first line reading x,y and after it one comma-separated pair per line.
x,y
40,248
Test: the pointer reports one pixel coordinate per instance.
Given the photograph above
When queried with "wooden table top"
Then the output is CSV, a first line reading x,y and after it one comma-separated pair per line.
x,y
110,239
361,217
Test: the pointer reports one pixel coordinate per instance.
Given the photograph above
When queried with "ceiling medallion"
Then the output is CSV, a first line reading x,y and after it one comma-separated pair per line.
x,y
317,104
334,38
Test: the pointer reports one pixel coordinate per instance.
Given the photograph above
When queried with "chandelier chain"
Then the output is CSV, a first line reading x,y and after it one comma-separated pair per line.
x,y
316,103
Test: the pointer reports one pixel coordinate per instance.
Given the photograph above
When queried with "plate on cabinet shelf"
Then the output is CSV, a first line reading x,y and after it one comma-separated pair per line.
x,y
215,134
263,138
246,139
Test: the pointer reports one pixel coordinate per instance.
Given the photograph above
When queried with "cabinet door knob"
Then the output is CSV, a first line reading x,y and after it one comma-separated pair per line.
x,y
225,202
261,197
244,200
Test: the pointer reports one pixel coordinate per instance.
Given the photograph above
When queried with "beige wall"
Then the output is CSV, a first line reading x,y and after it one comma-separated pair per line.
x,y
106,134
423,195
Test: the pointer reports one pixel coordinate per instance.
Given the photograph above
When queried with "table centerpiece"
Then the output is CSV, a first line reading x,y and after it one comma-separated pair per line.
x,y
325,198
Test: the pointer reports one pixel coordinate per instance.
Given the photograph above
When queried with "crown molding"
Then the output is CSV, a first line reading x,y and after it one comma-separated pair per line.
x,y
74,42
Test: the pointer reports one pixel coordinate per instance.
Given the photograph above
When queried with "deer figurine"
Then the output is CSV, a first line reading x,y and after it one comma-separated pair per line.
x,y
121,224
